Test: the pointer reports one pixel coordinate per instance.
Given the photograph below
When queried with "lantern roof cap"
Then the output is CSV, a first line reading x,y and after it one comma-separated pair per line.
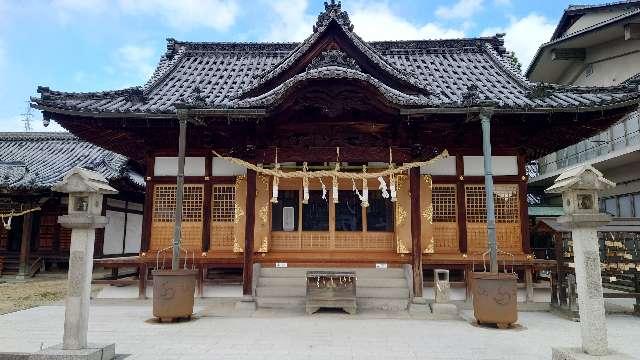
x,y
582,177
81,180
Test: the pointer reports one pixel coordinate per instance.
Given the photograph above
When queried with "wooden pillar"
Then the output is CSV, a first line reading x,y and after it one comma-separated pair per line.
x,y
414,190
247,268
528,280
206,211
524,206
147,211
462,215
25,246
142,280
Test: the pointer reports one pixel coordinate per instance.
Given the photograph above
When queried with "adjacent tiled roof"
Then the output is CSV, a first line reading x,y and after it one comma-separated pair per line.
x,y
36,161
445,73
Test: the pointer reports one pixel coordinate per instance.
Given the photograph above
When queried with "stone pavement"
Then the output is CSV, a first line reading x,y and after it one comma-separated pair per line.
x,y
290,335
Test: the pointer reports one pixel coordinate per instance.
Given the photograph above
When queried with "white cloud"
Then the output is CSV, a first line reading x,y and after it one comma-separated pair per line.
x,y
183,14
377,22
291,22
215,14
525,35
139,61
463,9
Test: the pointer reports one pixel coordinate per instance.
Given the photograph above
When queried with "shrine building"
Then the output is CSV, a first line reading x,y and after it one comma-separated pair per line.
x,y
338,104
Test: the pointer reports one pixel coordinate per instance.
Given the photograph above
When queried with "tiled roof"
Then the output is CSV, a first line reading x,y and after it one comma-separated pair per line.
x,y
445,73
36,161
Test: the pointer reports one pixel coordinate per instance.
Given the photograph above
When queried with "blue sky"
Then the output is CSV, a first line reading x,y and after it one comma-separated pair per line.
x,y
88,45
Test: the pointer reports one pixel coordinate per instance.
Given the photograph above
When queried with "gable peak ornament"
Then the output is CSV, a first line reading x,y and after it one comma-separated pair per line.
x,y
333,57
333,11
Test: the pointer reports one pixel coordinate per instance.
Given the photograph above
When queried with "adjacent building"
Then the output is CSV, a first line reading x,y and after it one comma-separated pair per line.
x,y
30,163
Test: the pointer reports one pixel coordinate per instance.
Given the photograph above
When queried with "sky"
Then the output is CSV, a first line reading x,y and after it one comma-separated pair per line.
x,y
92,45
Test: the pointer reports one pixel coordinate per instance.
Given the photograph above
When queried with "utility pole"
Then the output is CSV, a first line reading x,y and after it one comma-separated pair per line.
x,y
27,118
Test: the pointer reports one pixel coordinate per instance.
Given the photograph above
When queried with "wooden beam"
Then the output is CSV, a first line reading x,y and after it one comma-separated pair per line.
x,y
414,189
573,54
247,268
462,215
632,32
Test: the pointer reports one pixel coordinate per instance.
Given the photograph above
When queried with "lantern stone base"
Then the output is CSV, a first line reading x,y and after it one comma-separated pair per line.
x,y
578,354
418,307
92,352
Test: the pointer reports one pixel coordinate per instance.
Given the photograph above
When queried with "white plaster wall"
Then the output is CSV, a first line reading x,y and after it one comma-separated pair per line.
x,y
134,233
113,233
613,62
222,167
446,166
501,165
591,19
168,166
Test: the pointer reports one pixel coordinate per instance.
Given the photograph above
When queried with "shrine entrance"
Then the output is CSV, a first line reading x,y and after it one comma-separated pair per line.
x,y
323,223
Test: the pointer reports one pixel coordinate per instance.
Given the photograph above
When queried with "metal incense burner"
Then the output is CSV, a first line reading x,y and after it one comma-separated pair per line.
x,y
331,289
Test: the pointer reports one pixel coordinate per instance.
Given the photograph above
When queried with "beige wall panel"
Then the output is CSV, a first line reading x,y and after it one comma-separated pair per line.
x,y
262,226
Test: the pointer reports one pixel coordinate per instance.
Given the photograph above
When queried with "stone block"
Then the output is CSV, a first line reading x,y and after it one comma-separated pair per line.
x,y
92,352
578,354
444,311
246,305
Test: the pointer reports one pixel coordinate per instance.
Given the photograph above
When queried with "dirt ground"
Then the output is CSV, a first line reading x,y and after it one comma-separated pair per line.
x,y
40,290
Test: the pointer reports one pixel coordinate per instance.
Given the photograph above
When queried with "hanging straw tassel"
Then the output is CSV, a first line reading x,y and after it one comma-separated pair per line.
x,y
392,187
276,182
365,189
383,187
274,189
392,178
305,185
324,189
334,179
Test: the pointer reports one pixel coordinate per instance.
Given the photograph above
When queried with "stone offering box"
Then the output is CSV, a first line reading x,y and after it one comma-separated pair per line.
x,y
331,289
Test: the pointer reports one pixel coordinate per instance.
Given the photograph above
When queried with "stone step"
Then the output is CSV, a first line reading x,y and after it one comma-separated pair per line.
x,y
282,281
364,292
281,291
281,302
382,293
363,303
397,273
361,282
382,304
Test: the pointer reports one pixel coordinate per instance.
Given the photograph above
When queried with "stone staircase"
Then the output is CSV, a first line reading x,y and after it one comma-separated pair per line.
x,y
380,289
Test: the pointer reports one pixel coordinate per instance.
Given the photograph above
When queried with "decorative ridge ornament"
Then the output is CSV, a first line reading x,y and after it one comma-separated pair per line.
x,y
333,11
333,57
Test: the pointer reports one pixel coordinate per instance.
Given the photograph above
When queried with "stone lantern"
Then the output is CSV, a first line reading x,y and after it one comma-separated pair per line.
x,y
579,187
86,190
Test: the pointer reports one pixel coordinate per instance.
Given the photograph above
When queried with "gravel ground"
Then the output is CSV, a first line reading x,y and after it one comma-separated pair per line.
x,y
40,290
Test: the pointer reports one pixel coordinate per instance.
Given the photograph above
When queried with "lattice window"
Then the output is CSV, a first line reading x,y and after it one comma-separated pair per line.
x,y
164,203
443,198
506,202
223,203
